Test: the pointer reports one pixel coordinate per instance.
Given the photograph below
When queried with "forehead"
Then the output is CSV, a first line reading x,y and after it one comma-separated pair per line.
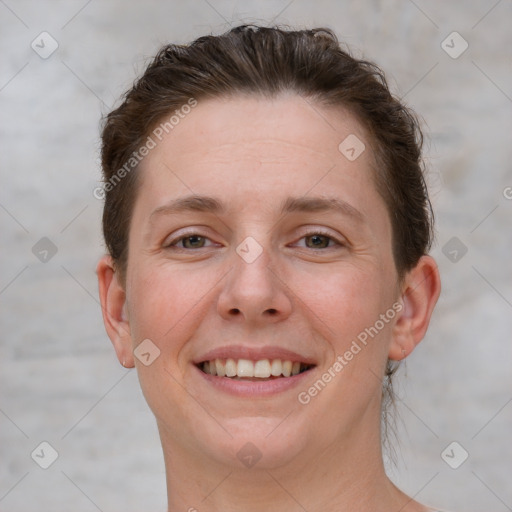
x,y
287,126
253,141
255,154
261,161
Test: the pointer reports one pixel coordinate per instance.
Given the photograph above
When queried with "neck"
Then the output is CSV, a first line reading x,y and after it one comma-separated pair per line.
x,y
345,476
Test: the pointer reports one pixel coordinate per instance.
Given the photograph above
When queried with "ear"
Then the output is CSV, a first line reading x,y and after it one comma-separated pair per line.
x,y
113,306
420,291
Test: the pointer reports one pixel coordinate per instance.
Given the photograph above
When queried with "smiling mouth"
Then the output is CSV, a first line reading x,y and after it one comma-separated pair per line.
x,y
245,369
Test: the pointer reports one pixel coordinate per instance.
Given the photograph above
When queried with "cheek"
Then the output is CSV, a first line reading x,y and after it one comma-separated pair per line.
x,y
345,302
165,306
165,303
344,308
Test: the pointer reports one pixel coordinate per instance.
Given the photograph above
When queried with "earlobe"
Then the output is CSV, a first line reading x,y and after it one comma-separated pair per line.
x,y
113,305
420,292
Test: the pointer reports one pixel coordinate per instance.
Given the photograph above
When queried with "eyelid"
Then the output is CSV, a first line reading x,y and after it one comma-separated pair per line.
x,y
338,240
174,239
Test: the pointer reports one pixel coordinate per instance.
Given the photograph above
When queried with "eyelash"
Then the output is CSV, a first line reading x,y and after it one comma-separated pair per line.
x,y
173,243
326,235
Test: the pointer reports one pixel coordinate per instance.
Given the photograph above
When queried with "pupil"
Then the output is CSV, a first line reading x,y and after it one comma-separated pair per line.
x,y
194,241
319,240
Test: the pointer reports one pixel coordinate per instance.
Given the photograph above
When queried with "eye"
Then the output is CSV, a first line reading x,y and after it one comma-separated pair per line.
x,y
319,240
191,241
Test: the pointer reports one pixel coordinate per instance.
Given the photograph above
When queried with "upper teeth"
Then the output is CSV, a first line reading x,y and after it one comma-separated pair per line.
x,y
263,368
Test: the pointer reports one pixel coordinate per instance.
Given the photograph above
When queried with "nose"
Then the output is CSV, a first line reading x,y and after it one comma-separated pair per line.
x,y
255,292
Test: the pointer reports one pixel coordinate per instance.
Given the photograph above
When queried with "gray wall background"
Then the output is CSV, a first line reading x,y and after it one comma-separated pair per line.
x,y
60,381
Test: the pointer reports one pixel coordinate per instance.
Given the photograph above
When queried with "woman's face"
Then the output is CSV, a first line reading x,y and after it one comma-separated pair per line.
x,y
257,238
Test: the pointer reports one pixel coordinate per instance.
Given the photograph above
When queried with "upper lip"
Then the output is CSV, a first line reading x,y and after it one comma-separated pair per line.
x,y
254,354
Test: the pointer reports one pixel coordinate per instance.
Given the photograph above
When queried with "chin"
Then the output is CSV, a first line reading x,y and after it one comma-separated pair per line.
x,y
258,443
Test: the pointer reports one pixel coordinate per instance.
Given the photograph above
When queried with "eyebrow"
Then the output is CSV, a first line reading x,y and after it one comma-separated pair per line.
x,y
321,204
191,203
199,203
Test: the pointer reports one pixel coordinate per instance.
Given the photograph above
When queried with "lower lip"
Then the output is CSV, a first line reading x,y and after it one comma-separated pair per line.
x,y
254,388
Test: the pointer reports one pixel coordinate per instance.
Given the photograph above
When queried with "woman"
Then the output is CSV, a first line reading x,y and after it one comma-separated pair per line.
x,y
267,225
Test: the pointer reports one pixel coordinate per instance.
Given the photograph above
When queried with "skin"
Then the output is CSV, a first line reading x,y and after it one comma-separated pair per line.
x,y
326,454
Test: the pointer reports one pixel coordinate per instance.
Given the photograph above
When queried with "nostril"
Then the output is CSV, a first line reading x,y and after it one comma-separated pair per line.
x,y
272,311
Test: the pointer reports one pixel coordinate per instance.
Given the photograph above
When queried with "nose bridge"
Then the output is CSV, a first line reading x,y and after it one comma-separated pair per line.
x,y
251,276
252,290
